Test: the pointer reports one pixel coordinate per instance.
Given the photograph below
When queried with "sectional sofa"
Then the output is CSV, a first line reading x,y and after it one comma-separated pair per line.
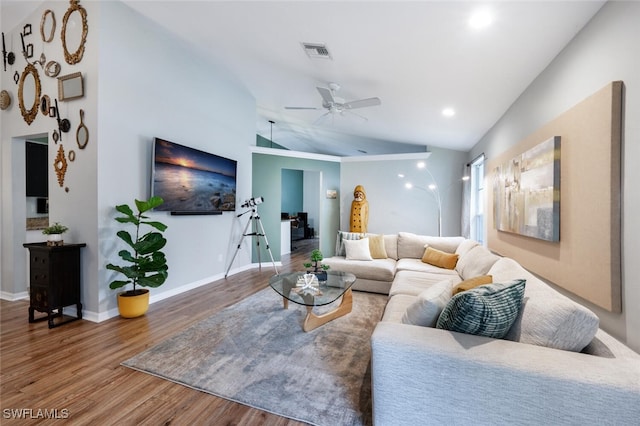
x,y
551,365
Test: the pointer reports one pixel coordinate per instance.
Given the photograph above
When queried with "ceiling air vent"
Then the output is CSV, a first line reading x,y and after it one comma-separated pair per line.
x,y
316,50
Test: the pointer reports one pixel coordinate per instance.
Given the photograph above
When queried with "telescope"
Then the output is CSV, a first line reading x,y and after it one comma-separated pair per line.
x,y
252,202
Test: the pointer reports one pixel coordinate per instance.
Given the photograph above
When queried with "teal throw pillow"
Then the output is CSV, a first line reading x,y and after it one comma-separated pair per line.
x,y
488,310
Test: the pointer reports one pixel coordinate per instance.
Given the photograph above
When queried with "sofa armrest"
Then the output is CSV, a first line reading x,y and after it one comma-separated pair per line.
x,y
424,375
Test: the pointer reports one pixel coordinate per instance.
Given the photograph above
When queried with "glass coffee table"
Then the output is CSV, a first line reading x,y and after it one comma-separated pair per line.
x,y
292,287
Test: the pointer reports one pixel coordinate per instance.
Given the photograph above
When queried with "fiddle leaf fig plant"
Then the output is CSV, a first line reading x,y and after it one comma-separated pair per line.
x,y
145,264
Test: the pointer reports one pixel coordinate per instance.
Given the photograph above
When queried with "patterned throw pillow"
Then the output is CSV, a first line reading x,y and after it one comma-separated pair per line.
x,y
340,250
488,310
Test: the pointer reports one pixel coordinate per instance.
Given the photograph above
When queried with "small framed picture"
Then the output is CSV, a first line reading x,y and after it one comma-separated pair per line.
x,y
332,193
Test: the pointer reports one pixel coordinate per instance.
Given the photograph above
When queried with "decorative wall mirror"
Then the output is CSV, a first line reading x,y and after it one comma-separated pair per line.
x,y
48,25
73,41
45,104
60,165
70,86
29,92
82,134
52,69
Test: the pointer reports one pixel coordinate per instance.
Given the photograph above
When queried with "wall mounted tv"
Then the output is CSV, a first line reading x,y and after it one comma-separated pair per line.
x,y
192,181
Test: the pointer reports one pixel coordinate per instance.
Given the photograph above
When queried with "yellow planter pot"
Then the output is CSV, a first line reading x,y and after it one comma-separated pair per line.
x,y
133,306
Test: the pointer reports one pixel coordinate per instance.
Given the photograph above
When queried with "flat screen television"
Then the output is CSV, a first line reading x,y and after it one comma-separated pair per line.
x,y
192,181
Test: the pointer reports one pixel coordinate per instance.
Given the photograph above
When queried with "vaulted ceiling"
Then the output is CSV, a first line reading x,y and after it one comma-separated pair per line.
x,y
417,57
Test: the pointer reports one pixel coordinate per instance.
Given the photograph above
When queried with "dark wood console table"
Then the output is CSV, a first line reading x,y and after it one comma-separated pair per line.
x,y
54,281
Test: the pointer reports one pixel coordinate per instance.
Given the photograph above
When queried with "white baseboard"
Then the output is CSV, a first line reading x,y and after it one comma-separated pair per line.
x,y
12,297
103,316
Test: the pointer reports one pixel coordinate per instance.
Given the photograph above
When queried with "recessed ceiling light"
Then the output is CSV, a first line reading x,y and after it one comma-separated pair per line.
x,y
481,19
448,112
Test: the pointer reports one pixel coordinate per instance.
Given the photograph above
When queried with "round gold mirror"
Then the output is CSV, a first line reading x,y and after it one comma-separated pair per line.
x,y
82,134
48,26
52,69
29,92
74,32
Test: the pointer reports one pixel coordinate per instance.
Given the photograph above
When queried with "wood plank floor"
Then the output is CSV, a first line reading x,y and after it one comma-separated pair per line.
x,y
75,368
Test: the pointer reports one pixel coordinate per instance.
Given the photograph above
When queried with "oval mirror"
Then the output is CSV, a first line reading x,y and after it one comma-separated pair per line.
x,y
29,93
82,134
45,104
74,32
47,25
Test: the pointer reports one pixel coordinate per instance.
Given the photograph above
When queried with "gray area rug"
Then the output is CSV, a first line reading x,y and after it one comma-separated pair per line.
x,y
256,353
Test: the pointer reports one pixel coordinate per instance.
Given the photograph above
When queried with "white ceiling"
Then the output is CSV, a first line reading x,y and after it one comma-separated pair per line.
x,y
418,57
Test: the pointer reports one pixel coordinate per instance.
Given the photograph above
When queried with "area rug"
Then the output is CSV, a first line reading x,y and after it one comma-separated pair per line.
x,y
256,353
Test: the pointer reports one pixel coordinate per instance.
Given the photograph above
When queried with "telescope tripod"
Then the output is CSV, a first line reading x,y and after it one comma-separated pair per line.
x,y
257,226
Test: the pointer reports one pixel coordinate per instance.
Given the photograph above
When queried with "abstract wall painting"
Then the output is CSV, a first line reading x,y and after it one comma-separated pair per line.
x,y
527,192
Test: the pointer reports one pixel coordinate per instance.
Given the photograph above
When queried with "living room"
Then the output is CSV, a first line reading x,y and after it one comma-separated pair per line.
x,y
142,82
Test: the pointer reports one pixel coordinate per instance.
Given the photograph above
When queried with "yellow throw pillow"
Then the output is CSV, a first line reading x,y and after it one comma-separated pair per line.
x,y
439,258
472,283
376,247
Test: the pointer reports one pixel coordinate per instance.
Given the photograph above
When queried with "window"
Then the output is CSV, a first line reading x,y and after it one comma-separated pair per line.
x,y
477,200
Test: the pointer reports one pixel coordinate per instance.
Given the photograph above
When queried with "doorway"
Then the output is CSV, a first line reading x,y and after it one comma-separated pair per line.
x,y
300,209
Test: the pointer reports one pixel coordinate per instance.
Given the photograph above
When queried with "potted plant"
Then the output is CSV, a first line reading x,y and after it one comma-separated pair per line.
x,y
54,234
146,266
318,268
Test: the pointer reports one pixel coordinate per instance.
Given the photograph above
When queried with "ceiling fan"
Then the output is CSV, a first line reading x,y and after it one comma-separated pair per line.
x,y
336,105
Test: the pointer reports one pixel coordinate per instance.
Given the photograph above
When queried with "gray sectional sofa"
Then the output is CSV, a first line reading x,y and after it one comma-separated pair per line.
x,y
554,366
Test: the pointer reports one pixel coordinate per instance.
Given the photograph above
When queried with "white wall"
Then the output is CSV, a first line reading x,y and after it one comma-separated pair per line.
x,y
140,82
604,51
394,208
152,84
75,208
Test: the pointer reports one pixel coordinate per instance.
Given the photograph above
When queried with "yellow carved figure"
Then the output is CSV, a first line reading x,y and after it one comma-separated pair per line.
x,y
359,210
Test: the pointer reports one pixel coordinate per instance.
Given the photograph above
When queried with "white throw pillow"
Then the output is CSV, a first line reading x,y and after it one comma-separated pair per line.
x,y
357,249
429,305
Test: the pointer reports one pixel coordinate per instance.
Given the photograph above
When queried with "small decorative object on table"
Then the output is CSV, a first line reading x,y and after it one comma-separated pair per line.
x,y
320,270
308,284
54,233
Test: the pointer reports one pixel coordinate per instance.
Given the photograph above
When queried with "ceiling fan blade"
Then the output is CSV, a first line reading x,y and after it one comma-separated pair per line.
x,y
294,107
321,118
362,117
362,103
327,96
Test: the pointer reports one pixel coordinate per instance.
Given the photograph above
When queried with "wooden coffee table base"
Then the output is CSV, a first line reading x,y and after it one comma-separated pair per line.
x,y
313,321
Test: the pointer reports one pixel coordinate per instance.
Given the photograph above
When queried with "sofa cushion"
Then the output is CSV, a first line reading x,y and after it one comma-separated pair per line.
x,y
472,283
439,258
418,265
475,262
428,306
547,318
376,246
489,310
413,283
465,246
412,246
357,249
377,269
391,245
342,235
396,307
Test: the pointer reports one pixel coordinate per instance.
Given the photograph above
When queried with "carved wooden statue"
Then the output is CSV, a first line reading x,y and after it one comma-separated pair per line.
x,y
359,210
